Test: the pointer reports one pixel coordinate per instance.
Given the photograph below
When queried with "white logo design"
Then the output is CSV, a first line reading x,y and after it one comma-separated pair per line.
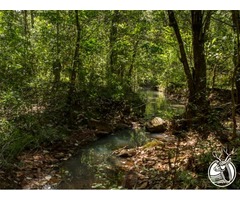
x,y
222,172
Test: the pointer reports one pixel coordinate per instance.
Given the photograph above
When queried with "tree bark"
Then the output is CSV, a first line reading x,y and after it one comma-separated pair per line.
x,y
135,47
26,36
76,59
113,40
73,76
198,98
25,15
236,71
57,67
32,18
196,78
183,58
236,57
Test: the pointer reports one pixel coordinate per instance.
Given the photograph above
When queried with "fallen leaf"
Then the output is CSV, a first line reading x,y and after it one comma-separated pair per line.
x,y
36,157
48,177
143,185
19,174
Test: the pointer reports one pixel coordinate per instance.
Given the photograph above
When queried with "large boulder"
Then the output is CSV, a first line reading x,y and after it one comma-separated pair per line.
x,y
156,125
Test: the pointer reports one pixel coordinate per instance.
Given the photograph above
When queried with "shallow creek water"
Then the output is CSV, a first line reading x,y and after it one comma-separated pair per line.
x,y
94,167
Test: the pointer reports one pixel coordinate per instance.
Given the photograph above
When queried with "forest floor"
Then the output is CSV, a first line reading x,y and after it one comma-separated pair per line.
x,y
40,169
171,162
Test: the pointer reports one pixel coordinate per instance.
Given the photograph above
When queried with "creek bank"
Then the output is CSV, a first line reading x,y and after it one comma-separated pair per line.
x,y
177,158
41,168
168,164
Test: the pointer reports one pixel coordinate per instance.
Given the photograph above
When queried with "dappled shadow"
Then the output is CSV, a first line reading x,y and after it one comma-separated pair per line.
x,y
181,163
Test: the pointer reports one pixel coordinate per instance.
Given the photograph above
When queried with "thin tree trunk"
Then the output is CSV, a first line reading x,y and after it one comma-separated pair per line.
x,y
236,57
25,15
32,18
214,76
75,66
236,71
183,59
133,59
26,36
113,40
233,80
76,58
57,64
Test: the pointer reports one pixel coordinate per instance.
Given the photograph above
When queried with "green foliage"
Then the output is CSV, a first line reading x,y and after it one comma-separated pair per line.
x,y
35,108
219,50
186,179
214,120
107,178
11,144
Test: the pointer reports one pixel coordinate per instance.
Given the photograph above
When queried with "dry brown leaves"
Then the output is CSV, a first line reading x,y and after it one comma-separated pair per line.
x,y
40,169
159,162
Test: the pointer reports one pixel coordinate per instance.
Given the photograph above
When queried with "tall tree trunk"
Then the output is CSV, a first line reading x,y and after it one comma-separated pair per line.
x,y
236,57
113,39
214,75
26,36
25,15
236,71
75,67
76,59
196,78
135,47
198,100
57,64
183,59
32,18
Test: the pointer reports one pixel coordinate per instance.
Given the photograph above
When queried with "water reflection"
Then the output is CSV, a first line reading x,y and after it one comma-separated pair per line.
x,y
94,167
155,100
158,105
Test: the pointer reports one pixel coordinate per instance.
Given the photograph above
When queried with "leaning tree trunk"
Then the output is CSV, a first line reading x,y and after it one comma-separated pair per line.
x,y
183,58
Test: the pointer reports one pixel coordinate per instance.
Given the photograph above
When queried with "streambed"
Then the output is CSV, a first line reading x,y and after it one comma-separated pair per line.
x,y
95,166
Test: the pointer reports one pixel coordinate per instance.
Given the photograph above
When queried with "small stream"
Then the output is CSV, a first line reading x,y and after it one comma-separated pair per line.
x,y
94,167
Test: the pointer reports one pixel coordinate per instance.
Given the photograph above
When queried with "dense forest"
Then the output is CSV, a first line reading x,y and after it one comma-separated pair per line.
x,y
71,78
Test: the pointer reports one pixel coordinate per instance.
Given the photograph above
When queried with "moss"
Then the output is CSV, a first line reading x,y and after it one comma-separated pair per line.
x,y
153,143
